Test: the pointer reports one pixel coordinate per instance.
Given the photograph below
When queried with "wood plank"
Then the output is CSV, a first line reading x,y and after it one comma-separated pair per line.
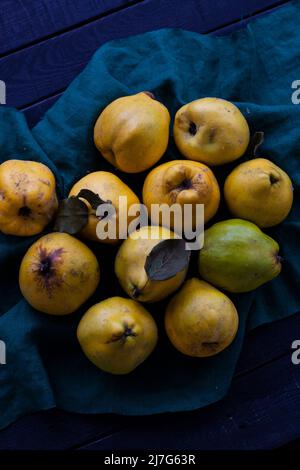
x,y
36,111
24,23
47,68
56,429
240,24
244,11
29,23
260,416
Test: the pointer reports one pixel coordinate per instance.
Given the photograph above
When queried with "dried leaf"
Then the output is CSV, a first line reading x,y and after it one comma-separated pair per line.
x,y
72,216
92,198
166,259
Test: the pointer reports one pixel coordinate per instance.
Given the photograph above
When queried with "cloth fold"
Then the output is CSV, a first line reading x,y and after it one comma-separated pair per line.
x,y
255,68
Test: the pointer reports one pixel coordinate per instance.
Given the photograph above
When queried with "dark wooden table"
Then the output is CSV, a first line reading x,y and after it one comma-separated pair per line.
x,y
44,44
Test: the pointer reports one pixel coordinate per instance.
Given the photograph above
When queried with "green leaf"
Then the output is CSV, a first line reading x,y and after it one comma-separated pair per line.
x,y
72,216
92,198
166,259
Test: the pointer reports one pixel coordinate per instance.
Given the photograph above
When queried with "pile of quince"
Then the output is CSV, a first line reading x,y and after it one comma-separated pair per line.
x,y
59,272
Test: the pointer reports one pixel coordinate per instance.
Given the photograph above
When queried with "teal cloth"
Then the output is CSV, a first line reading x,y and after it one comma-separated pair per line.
x,y
254,68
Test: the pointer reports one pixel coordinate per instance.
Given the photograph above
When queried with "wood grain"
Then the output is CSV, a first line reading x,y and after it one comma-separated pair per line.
x,y
24,23
45,69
